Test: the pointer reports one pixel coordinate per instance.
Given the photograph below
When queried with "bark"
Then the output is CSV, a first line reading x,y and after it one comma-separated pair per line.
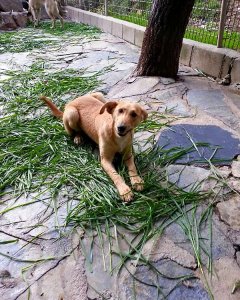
x,y
163,38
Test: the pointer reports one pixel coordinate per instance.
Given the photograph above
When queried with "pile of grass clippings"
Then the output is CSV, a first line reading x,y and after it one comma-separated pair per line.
x,y
43,37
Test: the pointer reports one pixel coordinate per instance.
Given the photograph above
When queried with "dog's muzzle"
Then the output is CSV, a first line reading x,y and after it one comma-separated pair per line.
x,y
122,130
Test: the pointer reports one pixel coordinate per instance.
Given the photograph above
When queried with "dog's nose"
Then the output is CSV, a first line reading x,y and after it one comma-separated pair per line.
x,y
121,129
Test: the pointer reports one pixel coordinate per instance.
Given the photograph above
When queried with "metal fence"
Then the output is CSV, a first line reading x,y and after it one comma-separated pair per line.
x,y
214,22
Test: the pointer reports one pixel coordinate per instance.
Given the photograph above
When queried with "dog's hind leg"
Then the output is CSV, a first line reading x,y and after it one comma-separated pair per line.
x,y
52,10
34,17
37,15
54,16
53,23
71,121
61,20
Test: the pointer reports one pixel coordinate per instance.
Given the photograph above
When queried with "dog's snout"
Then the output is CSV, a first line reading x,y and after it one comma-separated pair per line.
x,y
121,129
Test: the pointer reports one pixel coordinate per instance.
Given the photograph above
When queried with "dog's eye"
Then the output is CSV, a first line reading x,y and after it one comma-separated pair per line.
x,y
120,110
133,114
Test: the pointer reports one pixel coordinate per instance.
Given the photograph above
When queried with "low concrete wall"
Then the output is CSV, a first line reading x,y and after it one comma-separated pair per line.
x,y
213,61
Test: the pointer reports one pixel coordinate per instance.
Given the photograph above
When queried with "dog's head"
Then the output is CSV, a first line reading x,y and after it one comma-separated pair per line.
x,y
126,115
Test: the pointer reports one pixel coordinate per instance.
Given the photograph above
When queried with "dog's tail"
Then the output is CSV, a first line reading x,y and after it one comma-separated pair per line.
x,y
55,111
99,96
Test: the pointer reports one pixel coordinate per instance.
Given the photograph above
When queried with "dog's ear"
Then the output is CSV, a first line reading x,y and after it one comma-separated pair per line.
x,y
144,114
109,106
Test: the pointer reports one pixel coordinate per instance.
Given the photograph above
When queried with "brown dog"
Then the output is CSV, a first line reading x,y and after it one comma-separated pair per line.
x,y
53,9
110,125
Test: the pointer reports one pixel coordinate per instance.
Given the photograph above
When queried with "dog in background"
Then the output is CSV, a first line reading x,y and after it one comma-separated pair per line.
x,y
25,4
53,9
111,126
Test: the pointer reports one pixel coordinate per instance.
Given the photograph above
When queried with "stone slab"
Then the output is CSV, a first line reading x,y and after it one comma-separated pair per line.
x,y
139,86
230,211
236,169
20,18
226,273
187,177
175,107
217,138
166,94
234,99
149,291
212,102
7,22
13,5
66,280
205,99
164,248
222,245
97,265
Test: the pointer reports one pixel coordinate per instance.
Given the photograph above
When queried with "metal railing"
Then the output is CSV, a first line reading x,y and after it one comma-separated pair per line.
x,y
214,22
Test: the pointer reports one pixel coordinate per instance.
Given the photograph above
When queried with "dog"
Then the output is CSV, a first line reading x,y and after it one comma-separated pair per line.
x,y
111,126
25,4
53,9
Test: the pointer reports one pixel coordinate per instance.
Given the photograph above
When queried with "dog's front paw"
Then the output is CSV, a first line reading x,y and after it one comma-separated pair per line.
x,y
77,140
137,183
125,193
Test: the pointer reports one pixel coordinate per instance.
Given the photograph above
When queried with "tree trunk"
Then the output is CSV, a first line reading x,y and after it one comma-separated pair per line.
x,y
163,38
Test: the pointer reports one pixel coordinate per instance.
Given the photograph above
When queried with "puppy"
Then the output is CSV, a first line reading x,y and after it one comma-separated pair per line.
x,y
53,9
111,126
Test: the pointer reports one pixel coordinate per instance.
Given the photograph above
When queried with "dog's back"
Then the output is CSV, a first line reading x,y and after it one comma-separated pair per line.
x,y
36,4
88,108
52,8
81,112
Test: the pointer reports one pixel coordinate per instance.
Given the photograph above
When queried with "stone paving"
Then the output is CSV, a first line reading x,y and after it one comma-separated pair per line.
x,y
192,99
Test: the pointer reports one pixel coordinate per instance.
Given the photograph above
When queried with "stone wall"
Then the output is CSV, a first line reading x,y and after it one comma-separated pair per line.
x,y
12,15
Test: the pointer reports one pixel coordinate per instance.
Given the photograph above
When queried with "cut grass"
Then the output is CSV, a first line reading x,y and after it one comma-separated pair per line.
x,y
26,87
28,39
37,155
22,41
192,224
33,145
69,29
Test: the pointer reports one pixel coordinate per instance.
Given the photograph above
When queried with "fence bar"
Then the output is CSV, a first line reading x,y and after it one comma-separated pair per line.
x,y
222,22
106,7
